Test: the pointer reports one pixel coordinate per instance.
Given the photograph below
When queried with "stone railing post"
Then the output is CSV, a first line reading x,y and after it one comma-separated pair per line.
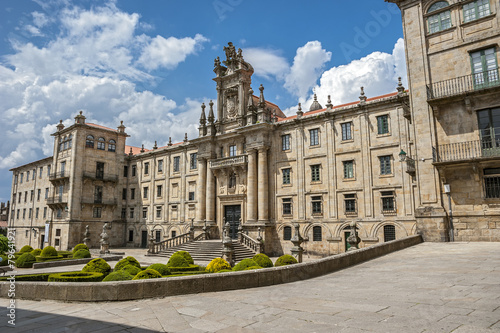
x,y
228,251
297,239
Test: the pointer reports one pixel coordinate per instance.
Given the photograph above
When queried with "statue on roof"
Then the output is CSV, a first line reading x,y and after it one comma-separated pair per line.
x,y
217,62
230,52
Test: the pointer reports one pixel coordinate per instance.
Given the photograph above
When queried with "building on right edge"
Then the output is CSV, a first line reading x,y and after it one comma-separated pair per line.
x,y
454,84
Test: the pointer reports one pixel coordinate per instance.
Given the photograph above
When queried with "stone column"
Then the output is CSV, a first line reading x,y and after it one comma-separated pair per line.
x,y
201,190
210,196
262,184
252,186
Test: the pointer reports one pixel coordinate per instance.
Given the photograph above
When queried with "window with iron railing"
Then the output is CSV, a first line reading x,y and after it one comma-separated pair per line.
x,y
492,183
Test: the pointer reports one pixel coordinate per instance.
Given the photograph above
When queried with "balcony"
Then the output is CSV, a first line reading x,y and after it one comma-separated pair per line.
x,y
463,85
100,176
99,201
58,175
228,162
466,151
58,202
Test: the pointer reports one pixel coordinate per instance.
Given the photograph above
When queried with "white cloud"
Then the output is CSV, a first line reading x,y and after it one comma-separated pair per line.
x,y
169,52
266,62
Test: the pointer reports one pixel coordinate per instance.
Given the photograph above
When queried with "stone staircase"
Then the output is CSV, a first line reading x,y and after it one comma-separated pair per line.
x,y
208,250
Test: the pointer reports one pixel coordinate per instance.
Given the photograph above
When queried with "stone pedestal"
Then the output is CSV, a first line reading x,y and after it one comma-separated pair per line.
x,y
297,239
228,251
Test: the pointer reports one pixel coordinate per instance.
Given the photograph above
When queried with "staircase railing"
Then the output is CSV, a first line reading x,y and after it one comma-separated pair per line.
x,y
157,247
251,243
202,236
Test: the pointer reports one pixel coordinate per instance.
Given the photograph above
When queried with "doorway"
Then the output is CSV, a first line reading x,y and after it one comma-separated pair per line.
x,y
144,239
232,214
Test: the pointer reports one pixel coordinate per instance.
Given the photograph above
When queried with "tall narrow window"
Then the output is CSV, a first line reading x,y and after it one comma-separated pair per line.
x,y
132,193
287,206
98,194
388,203
158,212
145,192
314,137
232,150
27,176
146,168
485,68
193,161
491,183
97,212
144,212
160,166
63,168
125,171
159,191
383,124
489,130
346,131
476,9
439,21
315,173
99,170
124,194
389,233
112,145
134,170
286,175
350,204
157,236
385,165
316,205
285,142
287,233
41,172
348,169
317,234
89,142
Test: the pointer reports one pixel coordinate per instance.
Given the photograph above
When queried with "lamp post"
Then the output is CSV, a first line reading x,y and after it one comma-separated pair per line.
x,y
402,155
448,192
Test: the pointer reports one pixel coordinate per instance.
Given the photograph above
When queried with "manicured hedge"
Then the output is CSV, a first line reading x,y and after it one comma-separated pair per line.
x,y
177,260
52,258
262,260
187,273
65,254
26,248
36,252
285,259
130,269
244,264
49,251
118,276
98,265
79,247
76,277
186,256
217,264
26,260
160,268
127,261
191,268
252,267
30,277
80,254
147,274
225,271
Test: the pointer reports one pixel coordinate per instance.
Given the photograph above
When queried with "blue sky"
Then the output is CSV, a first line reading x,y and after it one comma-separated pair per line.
x,y
150,63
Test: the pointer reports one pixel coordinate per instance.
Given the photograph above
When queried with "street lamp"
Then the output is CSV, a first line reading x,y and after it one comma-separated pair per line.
x,y
402,155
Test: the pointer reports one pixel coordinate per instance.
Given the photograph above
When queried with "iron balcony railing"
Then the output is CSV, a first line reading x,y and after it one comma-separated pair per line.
x,y
468,150
58,175
463,84
100,176
57,200
228,161
99,201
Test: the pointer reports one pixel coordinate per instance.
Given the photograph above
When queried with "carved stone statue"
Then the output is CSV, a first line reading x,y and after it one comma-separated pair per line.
x,y
104,240
230,51
217,62
86,239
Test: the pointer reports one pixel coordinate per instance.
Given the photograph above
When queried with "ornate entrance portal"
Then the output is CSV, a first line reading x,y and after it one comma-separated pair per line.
x,y
232,214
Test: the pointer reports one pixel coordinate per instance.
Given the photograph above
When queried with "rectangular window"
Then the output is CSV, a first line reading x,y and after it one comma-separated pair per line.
x,y
286,176
145,192
492,183
99,170
101,144
22,176
15,179
125,171
440,21
232,150
25,196
131,213
38,194
221,151
34,174
348,169
58,232
63,168
24,213
316,205
57,242
32,195
315,173
484,68
346,131
134,170
385,165
98,194
27,176
317,234
177,163
124,213
193,161
14,197
287,206
191,196
476,10
19,198
158,212
350,204
314,137
383,124
160,166
44,212
37,212
144,212
157,236
46,193
132,193
48,170
146,168
124,194
131,235
159,191
285,142
97,212
41,172
388,203
17,214
287,233
29,213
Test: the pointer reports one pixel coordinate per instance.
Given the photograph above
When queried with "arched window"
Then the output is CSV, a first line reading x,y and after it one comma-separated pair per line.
x,y
440,21
317,234
287,233
112,145
101,144
89,143
389,233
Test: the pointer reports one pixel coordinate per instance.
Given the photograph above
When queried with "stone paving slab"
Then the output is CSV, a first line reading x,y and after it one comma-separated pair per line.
x,y
431,287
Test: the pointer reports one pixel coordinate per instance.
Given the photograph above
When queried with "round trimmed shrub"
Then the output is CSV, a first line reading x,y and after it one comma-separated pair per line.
x,y
80,254
25,260
127,261
285,259
79,247
244,264
147,274
36,252
4,260
118,276
262,260
217,265
48,251
160,268
131,269
225,271
252,267
26,248
186,256
65,254
97,265
177,260
76,277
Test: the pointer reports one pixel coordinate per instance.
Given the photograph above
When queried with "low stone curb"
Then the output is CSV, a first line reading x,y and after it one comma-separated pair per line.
x,y
131,290
68,262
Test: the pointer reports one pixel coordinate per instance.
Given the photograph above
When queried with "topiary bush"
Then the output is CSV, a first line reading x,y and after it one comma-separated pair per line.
x,y
48,251
26,248
262,260
42,259
186,256
217,265
76,277
225,271
98,265
177,260
65,254
127,261
147,274
118,276
160,268
26,260
285,259
252,267
79,247
131,269
36,252
80,254
244,264
29,277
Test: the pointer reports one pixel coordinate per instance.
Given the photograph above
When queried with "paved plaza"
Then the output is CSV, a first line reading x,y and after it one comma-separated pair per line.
x,y
431,287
